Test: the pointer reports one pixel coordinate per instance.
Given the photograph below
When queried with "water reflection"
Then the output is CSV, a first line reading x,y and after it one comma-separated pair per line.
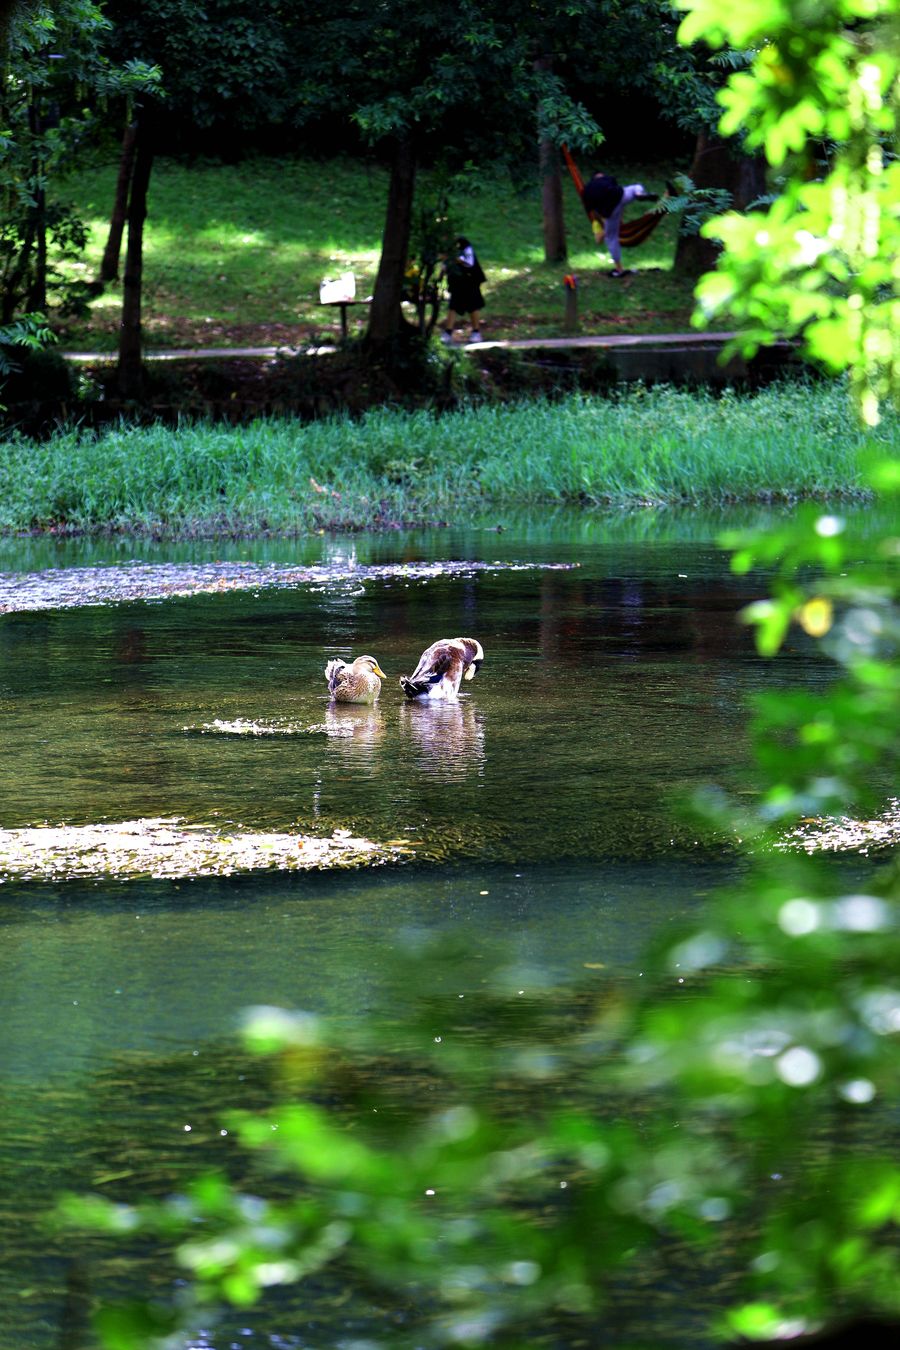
x,y
354,730
522,528
446,739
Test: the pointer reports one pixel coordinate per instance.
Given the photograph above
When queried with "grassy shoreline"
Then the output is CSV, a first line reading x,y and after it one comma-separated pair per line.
x,y
660,446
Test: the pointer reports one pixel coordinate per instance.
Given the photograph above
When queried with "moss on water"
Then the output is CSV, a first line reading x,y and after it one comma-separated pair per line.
x,y
172,848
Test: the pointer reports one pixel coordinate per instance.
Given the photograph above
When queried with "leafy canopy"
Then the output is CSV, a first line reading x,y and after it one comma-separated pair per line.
x,y
821,263
461,81
55,85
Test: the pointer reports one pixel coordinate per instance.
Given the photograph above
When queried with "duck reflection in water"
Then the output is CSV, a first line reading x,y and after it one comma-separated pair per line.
x,y
446,738
354,729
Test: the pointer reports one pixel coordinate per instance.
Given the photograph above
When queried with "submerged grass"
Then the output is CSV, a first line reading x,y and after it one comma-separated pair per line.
x,y
660,445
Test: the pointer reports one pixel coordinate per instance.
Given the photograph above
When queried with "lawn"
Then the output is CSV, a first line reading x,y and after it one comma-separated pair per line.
x,y
234,254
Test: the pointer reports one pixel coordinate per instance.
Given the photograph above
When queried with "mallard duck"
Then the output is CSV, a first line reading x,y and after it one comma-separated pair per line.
x,y
442,667
358,682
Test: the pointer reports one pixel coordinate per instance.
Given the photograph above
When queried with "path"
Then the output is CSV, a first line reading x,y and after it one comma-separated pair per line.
x,y
611,341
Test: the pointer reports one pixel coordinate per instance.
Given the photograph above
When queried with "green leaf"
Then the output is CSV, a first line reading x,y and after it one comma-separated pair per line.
x,y
756,1321
829,340
132,1326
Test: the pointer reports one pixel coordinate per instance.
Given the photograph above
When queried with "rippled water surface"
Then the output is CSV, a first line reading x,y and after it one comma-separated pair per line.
x,y
188,827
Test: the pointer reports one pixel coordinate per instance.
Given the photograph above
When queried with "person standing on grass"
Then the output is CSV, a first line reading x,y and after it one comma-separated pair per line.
x,y
605,196
464,280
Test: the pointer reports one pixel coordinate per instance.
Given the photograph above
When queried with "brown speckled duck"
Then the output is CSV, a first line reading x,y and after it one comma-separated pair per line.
x,y
358,682
442,667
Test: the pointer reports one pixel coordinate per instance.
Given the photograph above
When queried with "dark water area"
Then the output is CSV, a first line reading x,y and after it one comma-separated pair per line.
x,y
184,683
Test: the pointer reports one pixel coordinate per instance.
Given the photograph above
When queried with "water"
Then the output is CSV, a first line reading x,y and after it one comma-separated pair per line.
x,y
183,684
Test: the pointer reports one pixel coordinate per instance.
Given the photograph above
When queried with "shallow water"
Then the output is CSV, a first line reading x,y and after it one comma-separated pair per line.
x,y
183,684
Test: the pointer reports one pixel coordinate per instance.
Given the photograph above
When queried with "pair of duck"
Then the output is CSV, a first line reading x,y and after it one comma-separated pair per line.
x,y
441,669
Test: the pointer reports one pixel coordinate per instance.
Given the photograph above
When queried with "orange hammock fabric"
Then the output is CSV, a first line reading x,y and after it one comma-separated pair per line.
x,y
631,232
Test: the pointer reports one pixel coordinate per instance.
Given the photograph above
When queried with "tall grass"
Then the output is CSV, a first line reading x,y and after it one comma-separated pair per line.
x,y
661,445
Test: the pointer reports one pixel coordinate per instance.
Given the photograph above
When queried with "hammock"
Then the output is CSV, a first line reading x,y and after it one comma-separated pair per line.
x,y
631,232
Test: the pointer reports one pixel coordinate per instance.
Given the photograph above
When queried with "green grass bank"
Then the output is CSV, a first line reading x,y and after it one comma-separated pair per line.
x,y
661,446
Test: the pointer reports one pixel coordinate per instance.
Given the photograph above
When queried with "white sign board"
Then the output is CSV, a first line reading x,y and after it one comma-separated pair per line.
x,y
341,291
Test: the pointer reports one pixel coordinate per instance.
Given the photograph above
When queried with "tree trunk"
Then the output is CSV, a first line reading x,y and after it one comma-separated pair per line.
x,y
15,283
36,297
109,267
551,189
385,315
718,164
130,376
555,249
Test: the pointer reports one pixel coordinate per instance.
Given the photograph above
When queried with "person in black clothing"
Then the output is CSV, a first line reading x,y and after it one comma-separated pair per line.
x,y
464,281
608,199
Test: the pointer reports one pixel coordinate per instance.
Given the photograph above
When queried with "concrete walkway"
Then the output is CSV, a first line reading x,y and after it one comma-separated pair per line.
x,y
610,341
649,357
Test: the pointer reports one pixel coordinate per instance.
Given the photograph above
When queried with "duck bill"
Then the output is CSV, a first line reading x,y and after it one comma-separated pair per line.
x,y
378,671
470,672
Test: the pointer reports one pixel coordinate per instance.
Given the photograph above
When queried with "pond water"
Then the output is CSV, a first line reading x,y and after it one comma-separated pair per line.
x,y
170,757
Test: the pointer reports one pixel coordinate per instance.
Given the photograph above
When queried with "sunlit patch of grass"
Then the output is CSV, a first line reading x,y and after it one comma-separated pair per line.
x,y
246,246
107,302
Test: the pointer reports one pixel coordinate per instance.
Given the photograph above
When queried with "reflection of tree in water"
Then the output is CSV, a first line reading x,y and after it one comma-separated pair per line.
x,y
447,738
122,1135
641,618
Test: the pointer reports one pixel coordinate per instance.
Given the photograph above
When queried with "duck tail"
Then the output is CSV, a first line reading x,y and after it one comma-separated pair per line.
x,y
413,688
332,671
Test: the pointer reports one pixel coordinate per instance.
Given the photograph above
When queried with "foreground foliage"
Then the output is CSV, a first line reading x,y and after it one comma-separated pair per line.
x,y
821,261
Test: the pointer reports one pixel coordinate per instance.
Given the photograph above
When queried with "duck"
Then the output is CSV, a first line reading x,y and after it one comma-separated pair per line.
x,y
356,682
442,667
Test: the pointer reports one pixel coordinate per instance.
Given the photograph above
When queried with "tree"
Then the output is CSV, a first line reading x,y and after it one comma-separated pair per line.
x,y
227,63
717,171
428,82
820,263
130,368
57,74
109,265
555,247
